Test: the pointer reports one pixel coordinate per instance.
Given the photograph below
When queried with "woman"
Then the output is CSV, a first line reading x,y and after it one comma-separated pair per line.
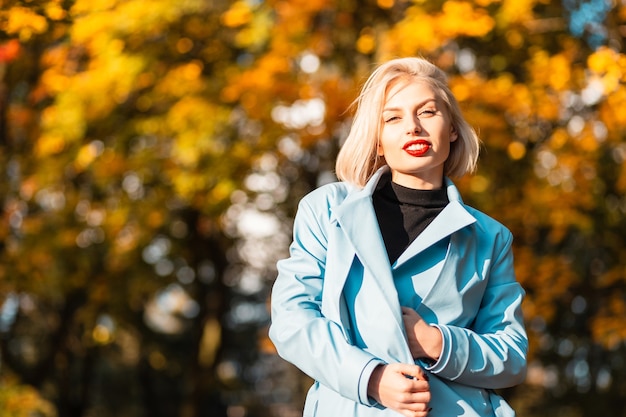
x,y
397,298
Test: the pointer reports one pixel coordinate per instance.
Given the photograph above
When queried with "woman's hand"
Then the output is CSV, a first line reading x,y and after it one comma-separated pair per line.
x,y
425,341
401,387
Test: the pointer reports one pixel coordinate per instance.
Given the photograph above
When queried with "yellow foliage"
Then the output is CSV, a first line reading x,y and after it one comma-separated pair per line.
x,y
188,184
587,141
608,325
181,81
111,18
291,21
418,32
550,71
49,144
109,165
610,66
54,10
551,275
558,138
461,91
613,114
422,32
17,400
102,335
113,73
614,275
257,31
516,150
54,81
94,25
222,191
63,121
515,11
479,183
521,99
56,56
239,14
461,18
560,72
86,155
155,218
257,85
546,105
92,6
127,239
366,42
602,60
514,38
385,4
498,91
22,21
193,114
310,6
485,3
184,45
195,124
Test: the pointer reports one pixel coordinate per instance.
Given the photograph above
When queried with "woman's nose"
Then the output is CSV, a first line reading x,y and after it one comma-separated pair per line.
x,y
414,126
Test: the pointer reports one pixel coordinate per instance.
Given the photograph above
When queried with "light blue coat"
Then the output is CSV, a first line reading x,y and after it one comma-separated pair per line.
x,y
336,305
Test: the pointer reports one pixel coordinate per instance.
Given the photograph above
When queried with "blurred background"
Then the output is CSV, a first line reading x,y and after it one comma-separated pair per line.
x,y
153,153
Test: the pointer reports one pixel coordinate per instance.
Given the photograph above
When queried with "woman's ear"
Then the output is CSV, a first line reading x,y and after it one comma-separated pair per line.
x,y
379,149
453,134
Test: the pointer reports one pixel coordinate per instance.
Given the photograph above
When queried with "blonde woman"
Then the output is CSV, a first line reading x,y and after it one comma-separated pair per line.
x,y
397,298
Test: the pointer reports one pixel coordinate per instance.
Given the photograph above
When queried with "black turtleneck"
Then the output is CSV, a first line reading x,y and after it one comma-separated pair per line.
x,y
403,213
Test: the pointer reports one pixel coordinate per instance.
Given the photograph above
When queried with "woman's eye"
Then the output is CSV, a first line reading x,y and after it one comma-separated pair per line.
x,y
391,119
428,113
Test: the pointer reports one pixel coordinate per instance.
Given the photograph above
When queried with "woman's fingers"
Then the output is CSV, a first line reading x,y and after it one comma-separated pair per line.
x,y
401,387
413,372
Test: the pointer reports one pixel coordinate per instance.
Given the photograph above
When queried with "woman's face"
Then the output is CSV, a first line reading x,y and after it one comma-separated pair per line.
x,y
416,135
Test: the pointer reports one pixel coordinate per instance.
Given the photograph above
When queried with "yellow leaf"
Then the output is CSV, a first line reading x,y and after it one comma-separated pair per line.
x,y
23,21
85,156
239,14
461,18
514,11
516,150
601,60
53,81
560,72
54,11
366,42
49,144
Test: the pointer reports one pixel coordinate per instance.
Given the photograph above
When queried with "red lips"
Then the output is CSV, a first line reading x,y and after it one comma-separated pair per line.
x,y
417,147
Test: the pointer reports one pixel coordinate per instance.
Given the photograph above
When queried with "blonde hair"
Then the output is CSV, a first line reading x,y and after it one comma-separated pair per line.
x,y
358,159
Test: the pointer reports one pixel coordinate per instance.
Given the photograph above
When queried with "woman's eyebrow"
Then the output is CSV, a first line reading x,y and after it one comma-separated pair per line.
x,y
423,103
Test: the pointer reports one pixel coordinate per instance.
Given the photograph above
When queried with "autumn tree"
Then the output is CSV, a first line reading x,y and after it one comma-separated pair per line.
x,y
155,151
543,82
120,158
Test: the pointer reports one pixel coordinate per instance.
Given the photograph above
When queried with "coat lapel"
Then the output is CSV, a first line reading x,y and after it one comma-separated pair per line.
x,y
452,218
358,222
358,226
357,234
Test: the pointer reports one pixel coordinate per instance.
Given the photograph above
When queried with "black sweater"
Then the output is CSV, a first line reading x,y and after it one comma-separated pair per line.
x,y
403,213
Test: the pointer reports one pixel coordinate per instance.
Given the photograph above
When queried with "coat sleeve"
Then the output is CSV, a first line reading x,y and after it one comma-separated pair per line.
x,y
491,352
301,334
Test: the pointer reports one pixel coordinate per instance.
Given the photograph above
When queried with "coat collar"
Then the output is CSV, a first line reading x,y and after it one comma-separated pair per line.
x,y
452,218
357,218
